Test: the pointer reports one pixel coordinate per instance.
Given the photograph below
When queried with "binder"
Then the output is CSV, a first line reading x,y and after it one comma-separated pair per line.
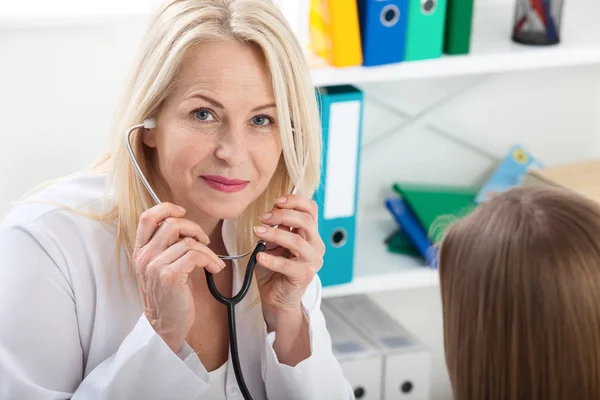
x,y
459,24
406,361
360,360
425,36
383,30
335,32
341,109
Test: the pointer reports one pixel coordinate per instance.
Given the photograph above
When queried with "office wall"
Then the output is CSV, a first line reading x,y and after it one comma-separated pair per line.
x,y
60,87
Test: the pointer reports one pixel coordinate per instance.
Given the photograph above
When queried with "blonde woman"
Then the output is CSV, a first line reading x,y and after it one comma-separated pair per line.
x,y
520,285
103,293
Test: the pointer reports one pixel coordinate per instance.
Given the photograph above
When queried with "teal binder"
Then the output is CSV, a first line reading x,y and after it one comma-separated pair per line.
x,y
425,34
341,109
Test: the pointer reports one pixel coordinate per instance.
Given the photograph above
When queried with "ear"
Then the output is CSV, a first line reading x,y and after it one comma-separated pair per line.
x,y
149,137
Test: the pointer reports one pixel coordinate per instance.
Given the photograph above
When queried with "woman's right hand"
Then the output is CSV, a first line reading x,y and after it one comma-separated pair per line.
x,y
167,249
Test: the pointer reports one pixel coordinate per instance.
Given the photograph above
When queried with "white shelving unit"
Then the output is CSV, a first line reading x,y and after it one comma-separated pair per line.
x,y
492,51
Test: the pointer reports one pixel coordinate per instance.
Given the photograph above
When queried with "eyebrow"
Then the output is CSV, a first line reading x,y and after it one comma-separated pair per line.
x,y
216,104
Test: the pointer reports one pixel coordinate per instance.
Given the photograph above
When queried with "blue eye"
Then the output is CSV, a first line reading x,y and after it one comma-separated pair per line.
x,y
261,120
203,115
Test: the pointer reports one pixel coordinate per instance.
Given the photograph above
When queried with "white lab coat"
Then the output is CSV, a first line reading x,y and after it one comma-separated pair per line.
x,y
69,329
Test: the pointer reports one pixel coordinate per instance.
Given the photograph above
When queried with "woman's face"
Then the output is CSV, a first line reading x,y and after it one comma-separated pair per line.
x,y
217,138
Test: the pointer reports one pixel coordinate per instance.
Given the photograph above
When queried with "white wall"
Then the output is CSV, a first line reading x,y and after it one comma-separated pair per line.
x,y
59,88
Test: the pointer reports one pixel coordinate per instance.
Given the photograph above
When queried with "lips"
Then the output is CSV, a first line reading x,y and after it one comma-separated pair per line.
x,y
223,184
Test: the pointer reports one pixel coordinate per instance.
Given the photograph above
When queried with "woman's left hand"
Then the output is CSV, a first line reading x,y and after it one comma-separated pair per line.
x,y
284,273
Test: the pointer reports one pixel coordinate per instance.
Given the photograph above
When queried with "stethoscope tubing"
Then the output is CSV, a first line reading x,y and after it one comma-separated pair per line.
x,y
230,303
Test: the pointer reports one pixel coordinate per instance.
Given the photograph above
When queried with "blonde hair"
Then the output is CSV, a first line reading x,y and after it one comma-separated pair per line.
x,y
177,28
520,286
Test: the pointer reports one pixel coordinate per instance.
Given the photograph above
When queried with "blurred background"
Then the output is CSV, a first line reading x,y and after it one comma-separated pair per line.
x,y
446,102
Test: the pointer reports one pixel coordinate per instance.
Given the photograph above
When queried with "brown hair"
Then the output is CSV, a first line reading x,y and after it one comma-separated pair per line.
x,y
520,286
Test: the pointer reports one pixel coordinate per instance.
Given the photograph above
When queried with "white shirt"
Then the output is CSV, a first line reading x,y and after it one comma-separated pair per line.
x,y
216,391
70,329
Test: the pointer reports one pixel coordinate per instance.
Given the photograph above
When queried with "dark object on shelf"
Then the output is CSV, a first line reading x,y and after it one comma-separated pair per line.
x,y
458,27
537,22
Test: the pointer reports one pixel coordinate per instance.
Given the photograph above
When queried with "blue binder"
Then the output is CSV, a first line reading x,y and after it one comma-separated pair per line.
x,y
341,109
411,226
383,30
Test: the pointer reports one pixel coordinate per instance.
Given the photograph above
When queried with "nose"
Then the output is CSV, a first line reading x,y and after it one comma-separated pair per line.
x,y
232,146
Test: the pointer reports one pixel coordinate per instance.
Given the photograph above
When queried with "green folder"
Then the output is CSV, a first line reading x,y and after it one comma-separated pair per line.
x,y
435,206
399,243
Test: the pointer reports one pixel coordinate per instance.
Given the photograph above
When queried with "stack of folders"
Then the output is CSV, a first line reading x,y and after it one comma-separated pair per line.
x,y
375,32
405,362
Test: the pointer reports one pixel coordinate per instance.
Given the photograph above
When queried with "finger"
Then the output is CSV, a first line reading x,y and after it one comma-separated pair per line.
x,y
179,271
172,229
300,203
295,243
150,221
292,269
293,218
184,245
274,246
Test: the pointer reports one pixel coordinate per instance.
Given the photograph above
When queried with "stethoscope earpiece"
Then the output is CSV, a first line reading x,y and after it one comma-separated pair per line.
x,y
150,123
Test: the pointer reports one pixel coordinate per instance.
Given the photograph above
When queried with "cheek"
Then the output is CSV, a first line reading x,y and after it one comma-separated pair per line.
x,y
181,152
267,160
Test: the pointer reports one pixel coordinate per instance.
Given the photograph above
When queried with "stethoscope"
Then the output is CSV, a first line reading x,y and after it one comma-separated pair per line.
x,y
229,302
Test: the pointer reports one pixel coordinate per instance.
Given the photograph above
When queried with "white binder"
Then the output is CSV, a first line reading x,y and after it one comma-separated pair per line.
x,y
407,362
360,360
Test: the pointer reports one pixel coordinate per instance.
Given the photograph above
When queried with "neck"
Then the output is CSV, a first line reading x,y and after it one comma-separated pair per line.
x,y
210,225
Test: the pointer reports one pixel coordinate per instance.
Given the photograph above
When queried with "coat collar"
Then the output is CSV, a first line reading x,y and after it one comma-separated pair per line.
x,y
229,236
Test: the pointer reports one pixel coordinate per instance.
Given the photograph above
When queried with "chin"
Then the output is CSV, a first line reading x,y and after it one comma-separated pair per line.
x,y
222,210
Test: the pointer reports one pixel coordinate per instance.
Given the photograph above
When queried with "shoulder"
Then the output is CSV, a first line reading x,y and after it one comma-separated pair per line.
x,y
61,217
81,193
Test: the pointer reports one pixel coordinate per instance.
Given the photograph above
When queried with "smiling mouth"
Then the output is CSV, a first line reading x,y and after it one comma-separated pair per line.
x,y
223,184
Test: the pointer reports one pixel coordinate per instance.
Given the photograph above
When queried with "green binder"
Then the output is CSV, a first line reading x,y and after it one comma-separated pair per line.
x,y
459,21
432,203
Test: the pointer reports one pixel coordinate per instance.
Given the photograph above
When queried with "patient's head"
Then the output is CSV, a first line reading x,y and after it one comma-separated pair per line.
x,y
520,286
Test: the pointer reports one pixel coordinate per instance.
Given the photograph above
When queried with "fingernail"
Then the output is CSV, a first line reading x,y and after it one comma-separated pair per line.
x,y
260,229
222,263
181,209
265,216
281,200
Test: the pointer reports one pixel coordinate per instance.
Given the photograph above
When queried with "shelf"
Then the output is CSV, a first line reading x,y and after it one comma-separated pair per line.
x,y
492,50
376,269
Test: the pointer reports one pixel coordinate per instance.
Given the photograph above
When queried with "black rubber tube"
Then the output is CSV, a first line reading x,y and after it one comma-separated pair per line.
x,y
230,303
